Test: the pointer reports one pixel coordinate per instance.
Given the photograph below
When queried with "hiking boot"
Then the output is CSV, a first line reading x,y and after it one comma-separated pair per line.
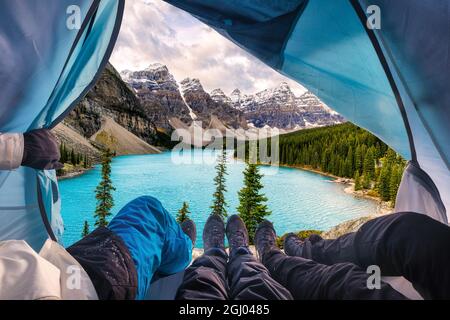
x,y
293,245
237,233
214,233
265,238
189,228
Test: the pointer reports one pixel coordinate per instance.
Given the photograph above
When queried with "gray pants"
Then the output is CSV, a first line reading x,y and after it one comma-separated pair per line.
x,y
213,277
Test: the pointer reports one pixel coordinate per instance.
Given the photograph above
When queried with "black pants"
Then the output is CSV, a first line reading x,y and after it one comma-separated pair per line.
x,y
310,280
411,245
213,277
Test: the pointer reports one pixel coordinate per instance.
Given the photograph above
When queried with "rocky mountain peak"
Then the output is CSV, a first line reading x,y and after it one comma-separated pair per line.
x,y
235,95
154,77
159,93
156,66
281,94
191,85
284,87
219,96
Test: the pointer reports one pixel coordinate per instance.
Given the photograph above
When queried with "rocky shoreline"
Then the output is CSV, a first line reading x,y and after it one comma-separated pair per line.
x,y
73,173
384,207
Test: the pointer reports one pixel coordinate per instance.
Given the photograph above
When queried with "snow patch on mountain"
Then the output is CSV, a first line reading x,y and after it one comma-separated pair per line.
x,y
191,85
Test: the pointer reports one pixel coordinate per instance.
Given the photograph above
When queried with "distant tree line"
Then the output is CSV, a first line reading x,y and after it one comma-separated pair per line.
x,y
74,158
346,151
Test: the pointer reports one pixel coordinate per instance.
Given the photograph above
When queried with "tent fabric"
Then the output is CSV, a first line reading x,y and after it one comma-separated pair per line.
x,y
415,43
260,27
418,193
46,68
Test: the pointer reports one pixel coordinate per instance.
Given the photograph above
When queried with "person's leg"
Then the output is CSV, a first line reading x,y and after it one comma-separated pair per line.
x,y
322,250
144,232
108,262
411,245
205,279
247,277
307,279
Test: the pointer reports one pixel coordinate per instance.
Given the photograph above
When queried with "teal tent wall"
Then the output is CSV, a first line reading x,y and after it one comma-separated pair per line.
x,y
45,69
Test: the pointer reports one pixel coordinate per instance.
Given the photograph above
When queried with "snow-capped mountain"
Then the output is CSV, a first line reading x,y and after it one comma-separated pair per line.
x,y
159,93
219,96
191,85
210,107
279,107
166,99
155,77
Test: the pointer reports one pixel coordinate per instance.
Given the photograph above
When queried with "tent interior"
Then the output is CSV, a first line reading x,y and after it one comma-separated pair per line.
x,y
393,81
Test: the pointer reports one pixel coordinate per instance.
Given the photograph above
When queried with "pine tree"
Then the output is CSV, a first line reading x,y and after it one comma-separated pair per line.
x,y
369,164
183,213
357,181
252,208
66,154
104,197
366,181
219,204
358,163
384,181
73,158
349,162
394,183
61,152
85,229
85,161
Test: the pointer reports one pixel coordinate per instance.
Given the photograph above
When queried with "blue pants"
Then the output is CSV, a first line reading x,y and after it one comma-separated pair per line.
x,y
142,240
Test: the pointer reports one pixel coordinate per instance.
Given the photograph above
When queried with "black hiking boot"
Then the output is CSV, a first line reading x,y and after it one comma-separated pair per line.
x,y
214,233
189,228
237,233
293,245
265,238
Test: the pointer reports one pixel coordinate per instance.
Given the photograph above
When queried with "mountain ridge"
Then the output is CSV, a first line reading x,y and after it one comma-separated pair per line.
x,y
273,107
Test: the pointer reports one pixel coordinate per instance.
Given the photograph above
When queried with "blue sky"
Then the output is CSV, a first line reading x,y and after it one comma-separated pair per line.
x,y
154,31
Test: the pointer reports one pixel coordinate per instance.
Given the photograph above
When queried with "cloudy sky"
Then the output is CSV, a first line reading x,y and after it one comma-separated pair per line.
x,y
153,31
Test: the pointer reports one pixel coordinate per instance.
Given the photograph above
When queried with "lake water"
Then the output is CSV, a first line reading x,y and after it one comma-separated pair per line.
x,y
298,199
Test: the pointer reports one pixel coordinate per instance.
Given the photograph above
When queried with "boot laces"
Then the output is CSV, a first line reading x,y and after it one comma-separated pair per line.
x,y
238,238
267,237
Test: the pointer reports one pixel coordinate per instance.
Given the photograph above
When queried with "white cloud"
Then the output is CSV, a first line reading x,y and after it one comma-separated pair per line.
x,y
154,31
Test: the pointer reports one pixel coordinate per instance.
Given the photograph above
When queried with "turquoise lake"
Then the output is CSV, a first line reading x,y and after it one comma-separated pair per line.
x,y
298,199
